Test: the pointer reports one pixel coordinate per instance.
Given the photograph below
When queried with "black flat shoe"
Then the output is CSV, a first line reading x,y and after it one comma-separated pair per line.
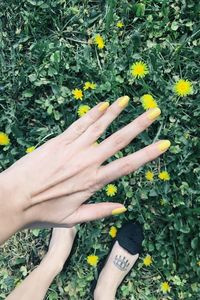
x,y
130,237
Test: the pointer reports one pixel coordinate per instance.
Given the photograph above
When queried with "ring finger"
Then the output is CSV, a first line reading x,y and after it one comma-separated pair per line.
x,y
97,128
124,136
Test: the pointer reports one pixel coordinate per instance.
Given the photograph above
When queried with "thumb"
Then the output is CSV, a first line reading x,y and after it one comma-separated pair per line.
x,y
89,212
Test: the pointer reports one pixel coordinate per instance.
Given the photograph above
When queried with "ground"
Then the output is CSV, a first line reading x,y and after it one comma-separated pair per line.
x,y
50,48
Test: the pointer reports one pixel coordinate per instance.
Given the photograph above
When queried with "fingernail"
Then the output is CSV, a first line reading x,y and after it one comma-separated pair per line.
x,y
119,210
164,145
123,101
154,113
103,106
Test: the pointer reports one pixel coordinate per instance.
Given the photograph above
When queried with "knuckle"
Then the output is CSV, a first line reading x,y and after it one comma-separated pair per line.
x,y
93,182
148,154
101,180
126,167
77,128
142,123
76,169
114,111
91,118
118,140
98,129
90,183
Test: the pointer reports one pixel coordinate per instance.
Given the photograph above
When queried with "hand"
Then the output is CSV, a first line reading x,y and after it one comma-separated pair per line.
x,y
57,178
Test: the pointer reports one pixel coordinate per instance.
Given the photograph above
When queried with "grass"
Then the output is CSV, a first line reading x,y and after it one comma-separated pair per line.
x,y
47,50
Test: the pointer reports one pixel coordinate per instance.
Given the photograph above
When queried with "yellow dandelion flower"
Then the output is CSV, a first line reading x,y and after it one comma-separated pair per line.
x,y
198,263
113,231
92,260
149,175
30,149
183,87
139,69
99,41
93,85
89,85
4,139
78,94
82,110
164,175
147,261
111,190
120,24
148,101
165,287
86,85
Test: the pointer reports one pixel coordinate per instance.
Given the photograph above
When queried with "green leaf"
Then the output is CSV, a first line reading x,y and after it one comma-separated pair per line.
x,y
50,109
194,243
23,270
55,57
140,9
110,12
27,94
35,232
174,26
32,77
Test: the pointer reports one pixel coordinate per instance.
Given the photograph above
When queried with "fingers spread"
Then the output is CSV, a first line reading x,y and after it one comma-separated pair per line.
x,y
132,162
82,124
124,136
97,128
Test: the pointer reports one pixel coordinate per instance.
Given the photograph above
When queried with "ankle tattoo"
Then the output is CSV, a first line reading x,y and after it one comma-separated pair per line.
x,y
121,263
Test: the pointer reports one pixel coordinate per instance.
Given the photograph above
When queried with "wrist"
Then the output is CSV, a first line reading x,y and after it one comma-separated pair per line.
x,y
12,217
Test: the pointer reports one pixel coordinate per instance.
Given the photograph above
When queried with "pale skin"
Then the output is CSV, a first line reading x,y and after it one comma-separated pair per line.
x,y
49,186
36,285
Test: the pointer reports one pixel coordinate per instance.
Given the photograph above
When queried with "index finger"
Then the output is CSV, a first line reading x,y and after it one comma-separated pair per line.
x,y
82,124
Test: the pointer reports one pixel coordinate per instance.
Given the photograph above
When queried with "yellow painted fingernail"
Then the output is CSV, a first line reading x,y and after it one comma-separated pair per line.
x,y
154,113
123,101
164,145
103,106
119,210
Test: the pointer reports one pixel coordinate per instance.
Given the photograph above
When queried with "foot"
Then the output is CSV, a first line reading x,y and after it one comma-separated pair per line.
x,y
122,258
60,247
118,264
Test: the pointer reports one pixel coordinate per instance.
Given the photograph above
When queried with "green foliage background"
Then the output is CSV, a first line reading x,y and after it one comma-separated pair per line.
x,y
44,54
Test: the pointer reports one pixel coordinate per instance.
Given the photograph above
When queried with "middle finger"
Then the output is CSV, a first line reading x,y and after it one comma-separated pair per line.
x,y
97,128
124,136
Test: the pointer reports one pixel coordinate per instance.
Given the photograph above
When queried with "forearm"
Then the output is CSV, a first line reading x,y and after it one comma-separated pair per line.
x,y
35,286
12,217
